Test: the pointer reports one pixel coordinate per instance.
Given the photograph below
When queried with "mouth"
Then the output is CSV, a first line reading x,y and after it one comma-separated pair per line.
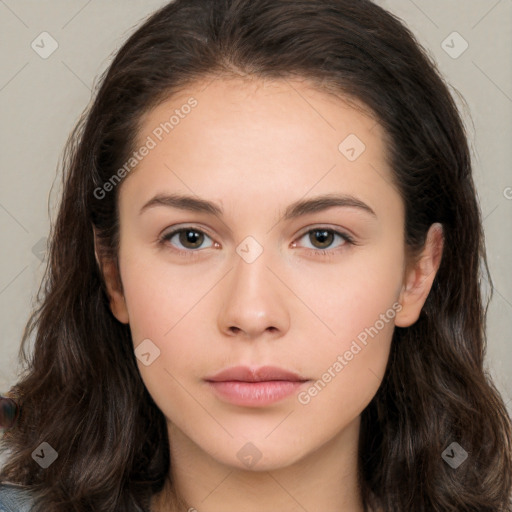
x,y
255,386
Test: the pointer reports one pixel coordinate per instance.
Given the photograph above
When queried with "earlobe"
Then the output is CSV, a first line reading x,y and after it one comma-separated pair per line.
x,y
418,280
111,278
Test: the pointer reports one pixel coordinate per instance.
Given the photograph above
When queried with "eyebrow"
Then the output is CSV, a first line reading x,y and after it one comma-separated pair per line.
x,y
294,210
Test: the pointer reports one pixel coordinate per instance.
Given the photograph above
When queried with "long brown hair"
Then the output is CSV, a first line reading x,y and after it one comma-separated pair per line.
x,y
81,391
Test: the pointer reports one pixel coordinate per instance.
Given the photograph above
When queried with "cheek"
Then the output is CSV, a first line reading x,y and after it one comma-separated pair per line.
x,y
166,305
358,304
348,373
161,309
351,296
158,295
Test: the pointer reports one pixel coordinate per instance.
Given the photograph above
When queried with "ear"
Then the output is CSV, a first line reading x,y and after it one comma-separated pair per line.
x,y
419,277
112,279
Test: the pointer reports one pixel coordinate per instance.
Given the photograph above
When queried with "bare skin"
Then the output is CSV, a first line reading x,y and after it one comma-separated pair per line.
x,y
253,148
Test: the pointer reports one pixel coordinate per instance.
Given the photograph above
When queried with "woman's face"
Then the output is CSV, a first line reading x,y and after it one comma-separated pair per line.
x,y
291,257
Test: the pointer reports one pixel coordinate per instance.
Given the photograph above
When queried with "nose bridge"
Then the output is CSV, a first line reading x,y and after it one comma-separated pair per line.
x,y
254,300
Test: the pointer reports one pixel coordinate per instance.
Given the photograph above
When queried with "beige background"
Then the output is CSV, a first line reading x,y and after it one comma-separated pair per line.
x,y
41,100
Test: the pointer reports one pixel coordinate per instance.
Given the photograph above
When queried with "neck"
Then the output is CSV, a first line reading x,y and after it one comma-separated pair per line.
x,y
323,480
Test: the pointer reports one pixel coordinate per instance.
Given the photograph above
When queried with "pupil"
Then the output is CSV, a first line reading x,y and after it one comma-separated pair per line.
x,y
323,236
190,237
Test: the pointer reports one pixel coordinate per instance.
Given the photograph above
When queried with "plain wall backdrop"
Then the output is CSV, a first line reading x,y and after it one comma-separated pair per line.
x,y
45,87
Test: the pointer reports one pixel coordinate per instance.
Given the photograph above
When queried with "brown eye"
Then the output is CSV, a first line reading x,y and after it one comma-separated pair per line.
x,y
324,240
187,238
321,238
191,239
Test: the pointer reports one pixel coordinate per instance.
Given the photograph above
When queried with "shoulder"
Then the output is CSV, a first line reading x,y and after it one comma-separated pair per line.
x,y
15,498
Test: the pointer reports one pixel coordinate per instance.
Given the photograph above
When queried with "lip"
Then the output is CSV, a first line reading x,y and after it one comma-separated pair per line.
x,y
255,386
255,374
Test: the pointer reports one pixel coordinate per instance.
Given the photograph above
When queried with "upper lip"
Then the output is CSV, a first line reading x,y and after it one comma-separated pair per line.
x,y
255,374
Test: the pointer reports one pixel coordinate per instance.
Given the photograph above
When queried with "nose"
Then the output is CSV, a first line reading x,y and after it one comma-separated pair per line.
x,y
253,301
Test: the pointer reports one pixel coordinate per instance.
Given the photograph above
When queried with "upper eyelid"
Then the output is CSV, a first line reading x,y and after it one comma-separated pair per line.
x,y
340,231
174,230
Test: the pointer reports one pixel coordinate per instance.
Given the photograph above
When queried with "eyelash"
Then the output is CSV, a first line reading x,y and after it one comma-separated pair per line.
x,y
192,253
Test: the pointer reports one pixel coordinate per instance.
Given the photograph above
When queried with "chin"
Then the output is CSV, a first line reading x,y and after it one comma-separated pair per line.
x,y
259,455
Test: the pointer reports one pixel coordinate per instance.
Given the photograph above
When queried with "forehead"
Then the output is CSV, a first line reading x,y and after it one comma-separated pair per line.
x,y
295,108
260,136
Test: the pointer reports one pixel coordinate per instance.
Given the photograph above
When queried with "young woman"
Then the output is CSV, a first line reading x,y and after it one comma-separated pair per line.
x,y
263,283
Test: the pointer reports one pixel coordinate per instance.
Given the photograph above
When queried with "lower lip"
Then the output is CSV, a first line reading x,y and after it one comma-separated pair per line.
x,y
255,394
